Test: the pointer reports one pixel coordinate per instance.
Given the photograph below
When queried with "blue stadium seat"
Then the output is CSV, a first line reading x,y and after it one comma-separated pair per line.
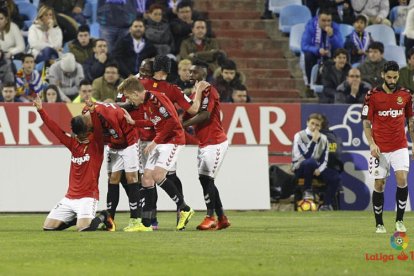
x,y
291,15
396,53
317,88
94,27
345,30
28,10
276,5
295,38
393,17
382,33
90,10
402,38
17,63
39,66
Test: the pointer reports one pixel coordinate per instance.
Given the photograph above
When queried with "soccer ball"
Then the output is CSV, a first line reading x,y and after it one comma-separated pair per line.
x,y
306,205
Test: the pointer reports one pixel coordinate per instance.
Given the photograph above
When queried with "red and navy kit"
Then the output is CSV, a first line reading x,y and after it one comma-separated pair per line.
x,y
388,113
210,132
86,158
117,131
161,112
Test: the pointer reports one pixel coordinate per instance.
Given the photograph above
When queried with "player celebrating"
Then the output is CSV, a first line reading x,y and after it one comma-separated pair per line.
x,y
384,113
81,200
163,150
213,145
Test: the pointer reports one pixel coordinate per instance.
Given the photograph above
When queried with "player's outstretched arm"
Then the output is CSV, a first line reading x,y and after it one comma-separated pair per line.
x,y
199,88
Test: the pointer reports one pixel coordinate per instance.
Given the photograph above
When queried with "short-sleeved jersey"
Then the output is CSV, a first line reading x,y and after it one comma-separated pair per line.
x,y
161,112
117,131
388,113
172,91
210,132
86,160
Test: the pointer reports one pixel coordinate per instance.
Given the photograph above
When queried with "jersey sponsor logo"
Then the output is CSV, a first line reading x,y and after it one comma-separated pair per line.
x,y
391,112
80,160
365,110
155,120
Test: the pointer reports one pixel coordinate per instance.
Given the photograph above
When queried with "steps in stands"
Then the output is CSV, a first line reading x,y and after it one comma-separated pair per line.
x,y
255,46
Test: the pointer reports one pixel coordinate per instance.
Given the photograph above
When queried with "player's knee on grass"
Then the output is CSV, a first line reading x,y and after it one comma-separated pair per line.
x,y
83,223
52,224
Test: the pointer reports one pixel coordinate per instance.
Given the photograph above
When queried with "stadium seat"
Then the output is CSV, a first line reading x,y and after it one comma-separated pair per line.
x,y
393,17
402,38
276,5
17,63
317,88
90,10
29,11
94,27
295,38
382,33
291,15
396,53
345,30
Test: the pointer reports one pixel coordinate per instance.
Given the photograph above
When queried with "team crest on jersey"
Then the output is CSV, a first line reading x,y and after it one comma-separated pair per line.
x,y
400,100
155,84
376,172
365,110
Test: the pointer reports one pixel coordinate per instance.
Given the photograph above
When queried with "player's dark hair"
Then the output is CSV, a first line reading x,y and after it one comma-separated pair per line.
x,y
162,63
147,67
376,45
78,125
391,66
200,63
84,29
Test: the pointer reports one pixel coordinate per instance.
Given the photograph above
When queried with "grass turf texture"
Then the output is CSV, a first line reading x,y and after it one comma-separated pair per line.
x,y
257,243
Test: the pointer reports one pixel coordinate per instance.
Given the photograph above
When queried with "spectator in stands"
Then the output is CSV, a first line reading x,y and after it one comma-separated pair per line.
x,y
409,30
11,39
132,49
183,80
376,10
372,67
310,157
94,67
6,70
341,10
105,87
358,41
45,36
200,47
407,73
353,89
52,94
82,46
334,72
13,12
85,92
157,31
28,80
239,94
182,25
401,14
227,81
320,39
66,74
8,93
114,18
72,8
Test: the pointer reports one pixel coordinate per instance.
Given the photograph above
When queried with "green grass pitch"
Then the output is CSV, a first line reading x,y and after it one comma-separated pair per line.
x,y
257,243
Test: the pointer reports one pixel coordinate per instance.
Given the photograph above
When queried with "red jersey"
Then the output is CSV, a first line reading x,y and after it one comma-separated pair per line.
x,y
146,133
161,112
388,113
86,158
117,131
210,132
172,91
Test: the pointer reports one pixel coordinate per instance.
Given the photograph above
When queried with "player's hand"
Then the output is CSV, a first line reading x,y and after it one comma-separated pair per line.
x,y
375,151
201,85
128,117
150,147
37,102
317,172
90,104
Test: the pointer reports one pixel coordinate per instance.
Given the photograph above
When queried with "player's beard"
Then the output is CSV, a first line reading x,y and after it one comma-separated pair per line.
x,y
391,86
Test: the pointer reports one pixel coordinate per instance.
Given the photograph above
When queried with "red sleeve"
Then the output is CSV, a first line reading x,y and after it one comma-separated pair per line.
x,y
182,99
167,128
207,100
409,108
56,130
97,129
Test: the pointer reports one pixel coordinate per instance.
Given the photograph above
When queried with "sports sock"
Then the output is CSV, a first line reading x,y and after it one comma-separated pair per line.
x,y
148,203
169,187
209,193
401,199
177,182
95,223
124,183
133,199
112,199
378,204
219,206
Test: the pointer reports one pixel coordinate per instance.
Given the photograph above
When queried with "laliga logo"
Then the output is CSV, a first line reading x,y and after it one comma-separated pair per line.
x,y
399,241
352,115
